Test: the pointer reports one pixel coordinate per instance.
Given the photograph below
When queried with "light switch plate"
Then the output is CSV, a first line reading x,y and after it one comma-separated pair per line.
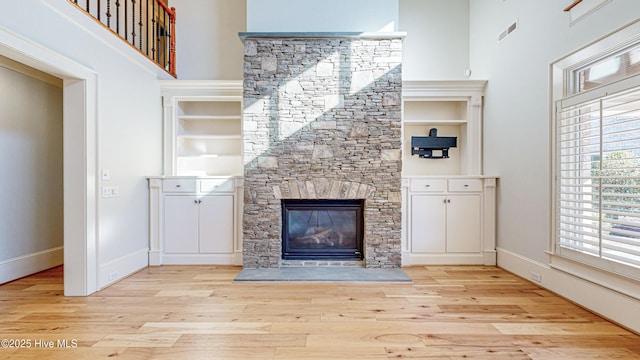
x,y
110,191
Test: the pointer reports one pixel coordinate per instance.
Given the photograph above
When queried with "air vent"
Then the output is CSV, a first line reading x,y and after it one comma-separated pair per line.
x,y
513,27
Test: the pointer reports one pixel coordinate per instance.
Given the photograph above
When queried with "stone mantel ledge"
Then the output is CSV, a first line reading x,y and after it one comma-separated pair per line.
x,y
323,35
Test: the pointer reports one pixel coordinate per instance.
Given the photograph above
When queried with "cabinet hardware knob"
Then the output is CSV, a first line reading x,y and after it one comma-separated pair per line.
x,y
448,201
195,201
427,185
178,185
466,185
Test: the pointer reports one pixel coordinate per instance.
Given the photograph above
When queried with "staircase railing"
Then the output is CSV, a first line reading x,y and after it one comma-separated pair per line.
x,y
147,25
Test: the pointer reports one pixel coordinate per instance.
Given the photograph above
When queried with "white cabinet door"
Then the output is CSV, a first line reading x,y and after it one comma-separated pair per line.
x,y
180,224
463,224
428,223
216,224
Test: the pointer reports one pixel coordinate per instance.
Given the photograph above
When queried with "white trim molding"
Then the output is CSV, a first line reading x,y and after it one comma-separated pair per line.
x,y
80,153
21,266
122,267
585,8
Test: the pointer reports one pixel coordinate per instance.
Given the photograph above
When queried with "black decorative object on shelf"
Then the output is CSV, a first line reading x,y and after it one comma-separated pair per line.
x,y
423,146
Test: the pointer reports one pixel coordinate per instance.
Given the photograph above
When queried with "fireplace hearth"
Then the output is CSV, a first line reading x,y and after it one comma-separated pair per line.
x,y
322,229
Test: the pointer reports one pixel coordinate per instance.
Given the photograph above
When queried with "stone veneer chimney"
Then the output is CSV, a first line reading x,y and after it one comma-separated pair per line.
x,y
322,120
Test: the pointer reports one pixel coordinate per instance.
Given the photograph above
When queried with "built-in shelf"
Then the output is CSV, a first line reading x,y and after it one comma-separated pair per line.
x,y
448,209
203,125
454,109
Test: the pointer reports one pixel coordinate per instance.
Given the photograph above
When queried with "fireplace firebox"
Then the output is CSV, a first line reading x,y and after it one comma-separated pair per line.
x,y
322,229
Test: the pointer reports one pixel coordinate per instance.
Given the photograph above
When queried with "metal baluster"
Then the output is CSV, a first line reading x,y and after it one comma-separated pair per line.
x,y
108,13
126,20
99,10
140,27
149,26
118,16
133,22
154,30
164,39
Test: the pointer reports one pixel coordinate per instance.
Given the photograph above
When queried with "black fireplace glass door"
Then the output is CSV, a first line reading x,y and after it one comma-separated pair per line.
x,y
322,229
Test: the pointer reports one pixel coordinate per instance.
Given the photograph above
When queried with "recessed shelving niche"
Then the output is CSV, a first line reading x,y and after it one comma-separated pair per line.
x,y
454,108
205,137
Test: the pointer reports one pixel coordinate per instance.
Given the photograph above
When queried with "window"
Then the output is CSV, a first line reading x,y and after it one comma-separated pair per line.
x,y
597,158
598,189
608,70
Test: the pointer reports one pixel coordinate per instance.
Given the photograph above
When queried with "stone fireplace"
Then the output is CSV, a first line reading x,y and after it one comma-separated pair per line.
x,y
322,121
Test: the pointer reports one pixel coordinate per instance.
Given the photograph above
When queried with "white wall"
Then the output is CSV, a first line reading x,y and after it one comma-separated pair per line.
x,y
322,16
436,46
208,46
517,124
517,110
437,42
31,156
129,121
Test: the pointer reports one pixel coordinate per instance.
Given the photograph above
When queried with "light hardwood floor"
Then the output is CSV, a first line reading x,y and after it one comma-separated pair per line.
x,y
198,312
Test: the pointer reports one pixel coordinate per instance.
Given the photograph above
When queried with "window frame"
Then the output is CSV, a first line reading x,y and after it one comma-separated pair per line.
x,y
564,84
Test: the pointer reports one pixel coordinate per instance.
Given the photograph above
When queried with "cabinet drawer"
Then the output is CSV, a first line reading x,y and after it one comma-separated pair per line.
x,y
179,185
428,185
461,185
214,185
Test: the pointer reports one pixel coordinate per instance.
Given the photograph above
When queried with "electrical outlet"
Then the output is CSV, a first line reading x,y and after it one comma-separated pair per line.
x,y
536,277
106,174
113,275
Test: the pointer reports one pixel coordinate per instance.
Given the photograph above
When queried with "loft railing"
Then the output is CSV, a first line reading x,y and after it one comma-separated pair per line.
x,y
147,25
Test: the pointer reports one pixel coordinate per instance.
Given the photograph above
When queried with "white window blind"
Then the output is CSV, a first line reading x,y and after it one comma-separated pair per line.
x,y
598,180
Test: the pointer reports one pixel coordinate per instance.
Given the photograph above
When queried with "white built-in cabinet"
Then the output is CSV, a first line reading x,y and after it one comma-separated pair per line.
x,y
195,220
196,205
450,220
437,215
448,204
198,224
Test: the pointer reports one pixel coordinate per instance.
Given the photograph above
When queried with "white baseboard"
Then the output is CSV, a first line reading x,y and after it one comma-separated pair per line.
x,y
409,259
237,258
199,259
122,267
22,266
155,258
592,296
